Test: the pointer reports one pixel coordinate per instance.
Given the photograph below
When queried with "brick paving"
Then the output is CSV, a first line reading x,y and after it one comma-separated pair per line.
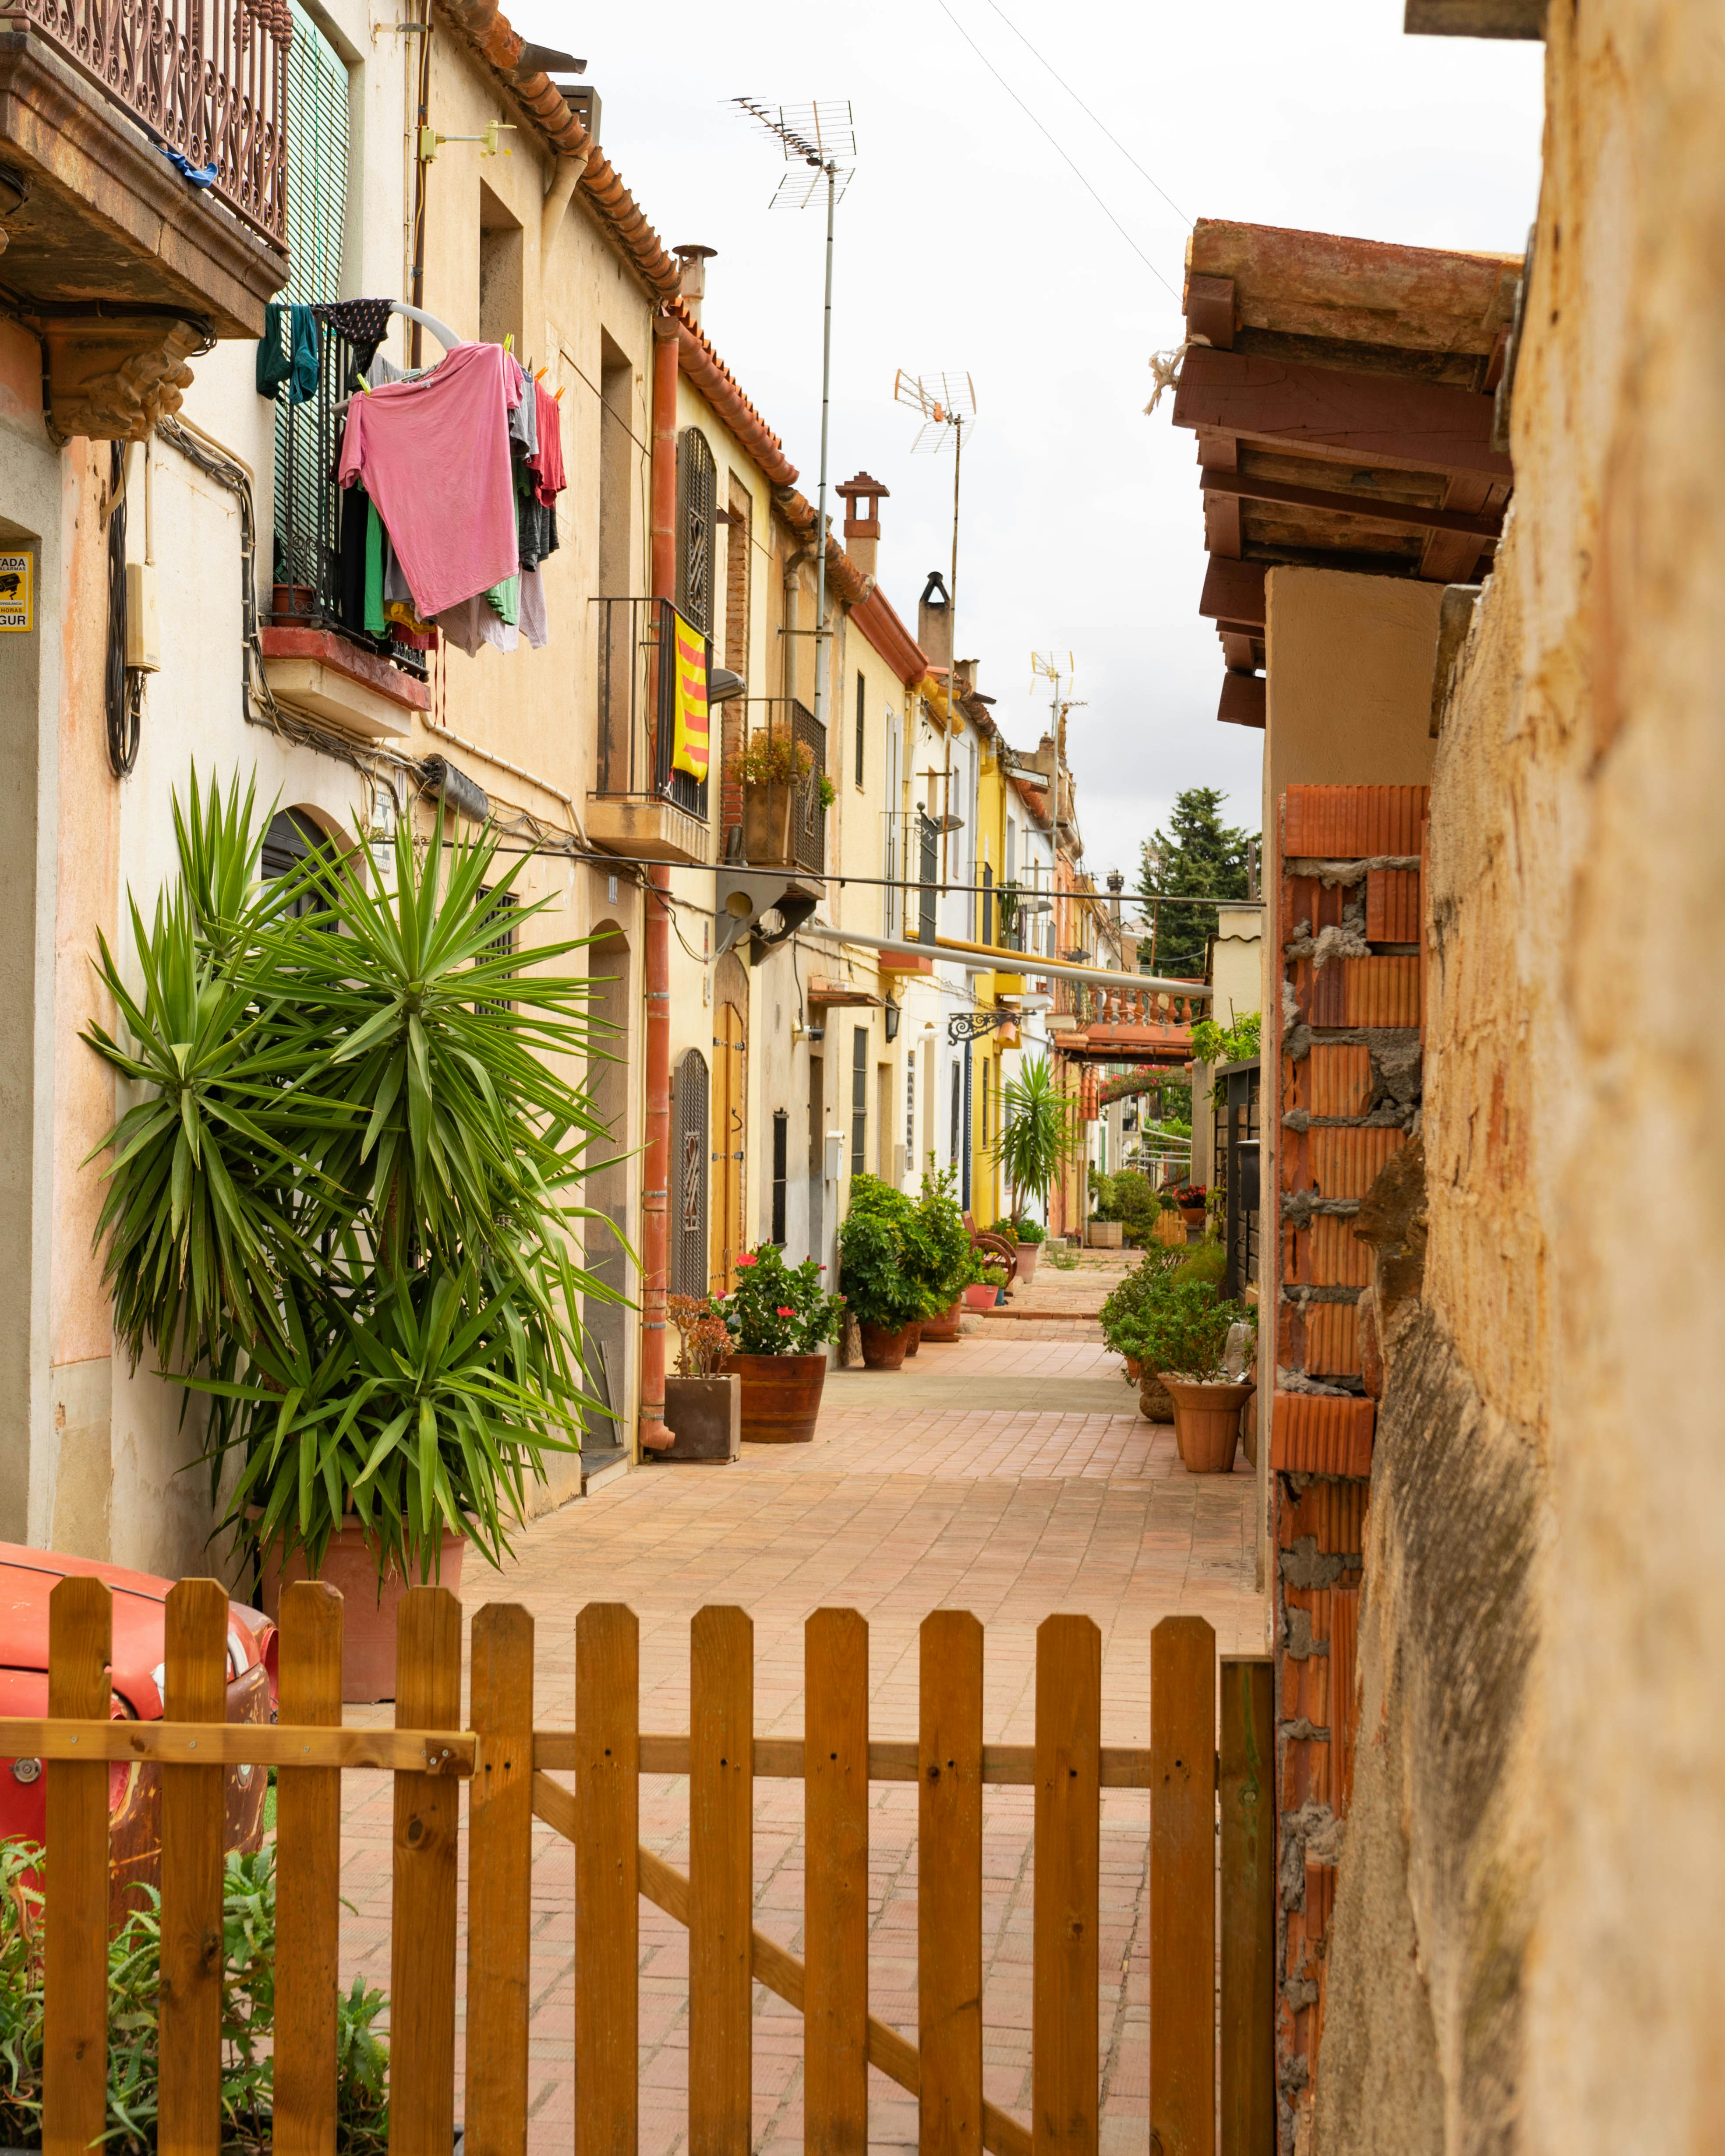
x,y
1007,1475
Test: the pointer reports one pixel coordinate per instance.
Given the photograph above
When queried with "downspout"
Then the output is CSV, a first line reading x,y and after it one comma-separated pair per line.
x,y
655,1198
565,178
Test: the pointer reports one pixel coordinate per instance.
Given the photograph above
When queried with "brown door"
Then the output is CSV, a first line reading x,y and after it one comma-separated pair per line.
x,y
730,1125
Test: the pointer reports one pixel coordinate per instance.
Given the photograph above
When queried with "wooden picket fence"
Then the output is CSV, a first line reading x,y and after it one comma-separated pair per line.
x,y
1211,1803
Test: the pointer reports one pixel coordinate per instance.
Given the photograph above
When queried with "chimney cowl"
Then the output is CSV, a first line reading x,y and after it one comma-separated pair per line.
x,y
692,290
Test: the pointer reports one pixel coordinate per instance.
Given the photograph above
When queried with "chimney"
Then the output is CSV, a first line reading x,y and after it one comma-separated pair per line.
x,y
934,622
862,497
693,260
965,669
1117,884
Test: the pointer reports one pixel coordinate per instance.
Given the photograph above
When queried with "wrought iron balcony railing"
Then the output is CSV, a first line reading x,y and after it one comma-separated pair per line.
x,y
206,78
783,775
636,704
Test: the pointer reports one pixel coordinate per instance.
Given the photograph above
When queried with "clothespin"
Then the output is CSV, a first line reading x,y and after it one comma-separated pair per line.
x,y
509,341
540,375
560,395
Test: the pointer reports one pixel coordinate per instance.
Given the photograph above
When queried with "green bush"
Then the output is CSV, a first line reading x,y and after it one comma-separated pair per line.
x,y
1030,1231
134,1980
1123,1312
939,1243
1183,1331
879,1249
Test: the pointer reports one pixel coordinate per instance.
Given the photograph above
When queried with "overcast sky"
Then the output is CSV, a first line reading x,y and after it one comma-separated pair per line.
x,y
966,242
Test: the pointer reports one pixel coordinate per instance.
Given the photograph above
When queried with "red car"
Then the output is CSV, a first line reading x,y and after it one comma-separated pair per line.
x,y
28,1577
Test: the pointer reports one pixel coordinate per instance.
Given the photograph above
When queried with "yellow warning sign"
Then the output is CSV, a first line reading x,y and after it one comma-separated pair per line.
x,y
15,597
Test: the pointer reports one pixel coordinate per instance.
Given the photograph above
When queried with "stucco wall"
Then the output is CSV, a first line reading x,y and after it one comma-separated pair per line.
x,y
1559,1893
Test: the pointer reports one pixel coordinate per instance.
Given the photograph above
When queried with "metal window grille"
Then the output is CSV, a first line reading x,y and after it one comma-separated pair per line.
x,y
928,847
780,1150
697,506
292,838
964,1155
858,1099
862,706
911,1105
1236,1155
690,1147
502,944
637,704
808,834
988,904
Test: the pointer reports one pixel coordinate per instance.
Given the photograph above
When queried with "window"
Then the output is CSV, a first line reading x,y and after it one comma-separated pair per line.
x,y
697,503
911,1105
292,838
987,1068
502,944
781,1149
988,904
858,1099
689,1171
862,705
957,1103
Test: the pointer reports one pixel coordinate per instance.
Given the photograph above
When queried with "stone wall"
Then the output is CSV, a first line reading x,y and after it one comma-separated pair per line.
x,y
1524,1943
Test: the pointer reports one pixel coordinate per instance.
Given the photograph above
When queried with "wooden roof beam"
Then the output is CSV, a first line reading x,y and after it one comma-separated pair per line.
x,y
1209,310
1369,508
1244,701
1395,420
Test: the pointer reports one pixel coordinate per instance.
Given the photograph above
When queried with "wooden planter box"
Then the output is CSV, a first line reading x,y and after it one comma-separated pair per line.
x,y
705,1416
1107,1235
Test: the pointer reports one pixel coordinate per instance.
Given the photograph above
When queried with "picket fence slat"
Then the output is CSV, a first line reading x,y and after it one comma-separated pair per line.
x,y
835,1888
722,1881
1247,1783
608,1655
308,1876
500,1882
189,2121
1183,1880
1067,1888
74,2036
427,1818
949,1884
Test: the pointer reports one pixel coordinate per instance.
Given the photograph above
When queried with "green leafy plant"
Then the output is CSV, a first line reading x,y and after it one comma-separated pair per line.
x,y
776,1309
775,759
1063,1257
825,791
878,1244
341,1207
704,1339
987,1270
1028,1230
249,1903
1184,1332
1040,1132
1236,1042
940,1246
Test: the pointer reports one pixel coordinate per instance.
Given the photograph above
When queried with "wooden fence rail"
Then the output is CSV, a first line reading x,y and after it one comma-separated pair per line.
x,y
1211,1812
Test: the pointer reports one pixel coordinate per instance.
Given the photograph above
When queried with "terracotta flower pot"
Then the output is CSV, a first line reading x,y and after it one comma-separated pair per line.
x,y
884,1346
1207,1423
705,1416
1028,1253
781,1396
1154,1402
293,602
946,1326
368,1616
767,812
916,1339
1134,1368
980,1296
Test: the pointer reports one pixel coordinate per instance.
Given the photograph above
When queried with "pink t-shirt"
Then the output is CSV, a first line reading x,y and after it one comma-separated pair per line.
x,y
433,455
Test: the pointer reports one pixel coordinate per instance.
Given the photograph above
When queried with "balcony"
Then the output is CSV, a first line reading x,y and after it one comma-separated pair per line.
x,y
642,806
784,779
124,268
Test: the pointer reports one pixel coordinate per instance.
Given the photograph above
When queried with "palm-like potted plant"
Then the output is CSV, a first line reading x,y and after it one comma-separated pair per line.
x,y
1039,1134
703,1401
338,1204
1184,1336
781,1320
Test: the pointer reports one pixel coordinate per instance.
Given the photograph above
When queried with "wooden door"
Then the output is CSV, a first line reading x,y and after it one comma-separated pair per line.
x,y
730,1129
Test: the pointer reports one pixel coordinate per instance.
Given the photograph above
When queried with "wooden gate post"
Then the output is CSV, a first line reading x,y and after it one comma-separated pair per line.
x,y
1248,1798
607,1910
500,1882
1067,1890
835,1766
428,1821
721,1880
74,2036
189,2123
949,1884
308,1876
1183,1887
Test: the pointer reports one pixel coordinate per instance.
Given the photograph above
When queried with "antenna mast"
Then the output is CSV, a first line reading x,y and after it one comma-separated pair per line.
x,y
947,404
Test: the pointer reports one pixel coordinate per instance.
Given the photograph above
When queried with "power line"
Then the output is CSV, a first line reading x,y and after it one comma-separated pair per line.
x,y
1042,128
1091,116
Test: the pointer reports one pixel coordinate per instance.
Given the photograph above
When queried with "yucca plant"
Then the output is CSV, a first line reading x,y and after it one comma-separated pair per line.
x,y
1040,1133
343,1209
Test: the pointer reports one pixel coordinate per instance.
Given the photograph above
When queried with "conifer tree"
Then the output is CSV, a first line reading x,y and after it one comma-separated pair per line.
x,y
1198,855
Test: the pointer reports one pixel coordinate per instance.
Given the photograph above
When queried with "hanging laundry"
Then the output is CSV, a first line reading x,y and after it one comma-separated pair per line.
x,y
376,623
365,324
474,622
504,599
433,455
524,419
351,557
296,361
536,526
533,628
547,461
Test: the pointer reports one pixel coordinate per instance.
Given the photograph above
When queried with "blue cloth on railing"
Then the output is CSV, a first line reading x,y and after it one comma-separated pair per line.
x,y
296,361
198,176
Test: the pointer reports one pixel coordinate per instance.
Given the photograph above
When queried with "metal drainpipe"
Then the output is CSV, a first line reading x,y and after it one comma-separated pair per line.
x,y
654,1434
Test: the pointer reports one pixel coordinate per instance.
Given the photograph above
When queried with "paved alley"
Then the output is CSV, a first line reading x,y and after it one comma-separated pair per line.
x,y
1008,1474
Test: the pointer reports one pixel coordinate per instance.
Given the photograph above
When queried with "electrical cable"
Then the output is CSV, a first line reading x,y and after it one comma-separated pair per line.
x,y
1042,128
1089,115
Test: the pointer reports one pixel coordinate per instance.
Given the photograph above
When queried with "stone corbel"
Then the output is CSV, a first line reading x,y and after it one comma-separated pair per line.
x,y
112,377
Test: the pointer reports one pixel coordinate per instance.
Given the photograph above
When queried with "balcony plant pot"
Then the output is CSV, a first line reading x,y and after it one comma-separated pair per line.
x,y
916,1338
884,1348
1107,1235
1155,1403
293,602
1206,1423
766,815
946,1326
1028,1254
368,1613
980,1296
781,1396
705,1414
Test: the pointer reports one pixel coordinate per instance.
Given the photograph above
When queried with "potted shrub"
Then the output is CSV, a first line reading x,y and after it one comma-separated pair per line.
x,y
780,1319
1190,1198
938,1248
703,1403
878,1271
1031,1236
776,771
1185,1342
987,1283
1122,1316
336,1207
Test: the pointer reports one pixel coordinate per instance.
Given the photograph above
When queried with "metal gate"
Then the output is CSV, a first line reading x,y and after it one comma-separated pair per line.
x,y
689,1151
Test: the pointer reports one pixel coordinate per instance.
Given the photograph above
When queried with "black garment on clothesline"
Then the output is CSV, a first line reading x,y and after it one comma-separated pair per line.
x,y
365,324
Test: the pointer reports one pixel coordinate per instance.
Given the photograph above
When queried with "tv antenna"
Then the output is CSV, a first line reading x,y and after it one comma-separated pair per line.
x,y
946,404
814,138
1047,664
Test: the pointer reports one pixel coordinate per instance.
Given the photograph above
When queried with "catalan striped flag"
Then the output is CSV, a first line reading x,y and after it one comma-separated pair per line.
x,y
689,736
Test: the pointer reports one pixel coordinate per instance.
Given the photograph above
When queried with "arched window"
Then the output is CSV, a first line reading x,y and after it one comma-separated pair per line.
x,y
291,837
689,1146
697,503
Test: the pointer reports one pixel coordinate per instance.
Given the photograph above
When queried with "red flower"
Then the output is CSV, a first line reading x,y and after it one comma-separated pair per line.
x,y
746,1260
785,1311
